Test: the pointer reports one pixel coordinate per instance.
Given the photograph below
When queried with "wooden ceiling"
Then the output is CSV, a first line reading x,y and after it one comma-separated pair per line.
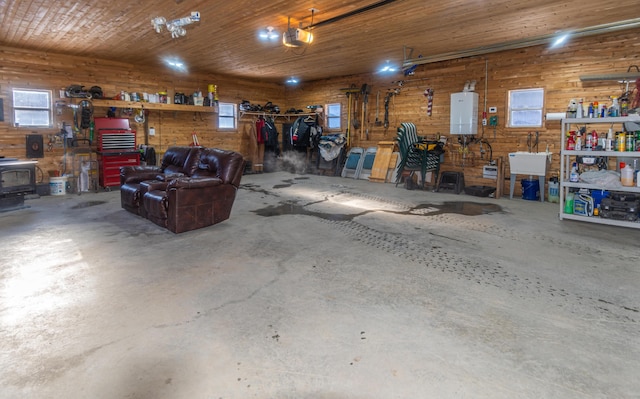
x,y
225,40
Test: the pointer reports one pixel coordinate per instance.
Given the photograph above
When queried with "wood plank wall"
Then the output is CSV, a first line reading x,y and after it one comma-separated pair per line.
x,y
556,71
25,69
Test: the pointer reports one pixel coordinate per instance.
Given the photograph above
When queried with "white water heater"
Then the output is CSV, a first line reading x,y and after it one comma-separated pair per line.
x,y
464,113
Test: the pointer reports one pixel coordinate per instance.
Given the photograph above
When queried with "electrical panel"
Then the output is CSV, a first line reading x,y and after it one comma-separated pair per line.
x,y
464,113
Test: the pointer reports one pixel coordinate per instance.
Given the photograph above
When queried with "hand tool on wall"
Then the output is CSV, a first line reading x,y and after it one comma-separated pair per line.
x,y
378,122
348,118
387,98
356,122
365,90
350,92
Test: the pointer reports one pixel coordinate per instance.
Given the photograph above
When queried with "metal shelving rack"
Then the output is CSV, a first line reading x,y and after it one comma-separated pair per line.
x,y
566,157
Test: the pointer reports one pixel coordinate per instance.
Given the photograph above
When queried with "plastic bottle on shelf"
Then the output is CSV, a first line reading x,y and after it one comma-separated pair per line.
x,y
589,142
574,176
580,110
621,141
626,175
631,142
624,106
568,204
571,143
615,108
596,109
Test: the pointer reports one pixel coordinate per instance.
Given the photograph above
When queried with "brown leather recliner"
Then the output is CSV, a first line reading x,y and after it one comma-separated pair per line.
x,y
204,198
176,162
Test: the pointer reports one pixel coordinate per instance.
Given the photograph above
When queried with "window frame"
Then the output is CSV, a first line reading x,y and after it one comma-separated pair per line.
x,y
17,108
511,109
328,117
225,117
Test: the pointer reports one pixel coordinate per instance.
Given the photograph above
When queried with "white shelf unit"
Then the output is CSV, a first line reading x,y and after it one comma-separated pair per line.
x,y
567,157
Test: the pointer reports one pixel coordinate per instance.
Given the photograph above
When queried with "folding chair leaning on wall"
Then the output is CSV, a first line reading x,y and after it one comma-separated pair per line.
x,y
417,154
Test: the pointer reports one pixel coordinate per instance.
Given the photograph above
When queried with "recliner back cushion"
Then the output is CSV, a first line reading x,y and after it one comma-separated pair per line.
x,y
209,164
226,165
180,160
191,163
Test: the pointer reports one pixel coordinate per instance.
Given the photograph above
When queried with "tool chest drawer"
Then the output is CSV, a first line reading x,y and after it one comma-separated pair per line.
x,y
110,164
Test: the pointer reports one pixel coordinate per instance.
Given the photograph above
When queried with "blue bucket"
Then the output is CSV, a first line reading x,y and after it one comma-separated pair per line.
x,y
530,189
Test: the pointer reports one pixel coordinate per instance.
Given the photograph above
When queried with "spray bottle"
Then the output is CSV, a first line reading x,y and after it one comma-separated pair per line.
x,y
574,176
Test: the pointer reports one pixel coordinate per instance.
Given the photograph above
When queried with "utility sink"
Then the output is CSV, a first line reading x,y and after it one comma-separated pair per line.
x,y
529,163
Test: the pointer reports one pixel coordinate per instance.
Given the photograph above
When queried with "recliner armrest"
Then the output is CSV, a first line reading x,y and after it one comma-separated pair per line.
x,y
189,183
137,174
152,185
168,177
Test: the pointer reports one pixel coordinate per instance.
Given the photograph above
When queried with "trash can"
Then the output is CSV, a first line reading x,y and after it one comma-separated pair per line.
x,y
530,189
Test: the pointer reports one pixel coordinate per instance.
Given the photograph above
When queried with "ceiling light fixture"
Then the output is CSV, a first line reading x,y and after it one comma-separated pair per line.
x,y
388,67
176,26
269,34
560,40
292,81
176,64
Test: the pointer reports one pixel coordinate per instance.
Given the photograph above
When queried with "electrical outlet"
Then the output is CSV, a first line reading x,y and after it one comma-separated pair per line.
x,y
484,121
152,131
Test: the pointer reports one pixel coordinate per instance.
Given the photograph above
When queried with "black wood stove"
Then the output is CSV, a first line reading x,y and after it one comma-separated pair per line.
x,y
17,178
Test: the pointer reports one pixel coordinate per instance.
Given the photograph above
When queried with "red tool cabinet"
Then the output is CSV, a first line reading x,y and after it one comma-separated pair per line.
x,y
116,148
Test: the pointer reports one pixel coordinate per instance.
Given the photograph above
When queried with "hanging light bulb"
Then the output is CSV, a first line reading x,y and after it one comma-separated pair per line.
x,y
176,26
157,23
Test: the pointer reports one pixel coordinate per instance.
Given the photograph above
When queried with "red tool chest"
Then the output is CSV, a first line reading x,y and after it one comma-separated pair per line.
x,y
116,148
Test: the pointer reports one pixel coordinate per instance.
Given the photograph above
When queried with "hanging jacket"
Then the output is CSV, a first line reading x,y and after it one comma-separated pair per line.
x,y
270,135
259,125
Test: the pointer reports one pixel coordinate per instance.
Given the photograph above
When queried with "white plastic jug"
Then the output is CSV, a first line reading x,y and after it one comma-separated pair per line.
x,y
626,175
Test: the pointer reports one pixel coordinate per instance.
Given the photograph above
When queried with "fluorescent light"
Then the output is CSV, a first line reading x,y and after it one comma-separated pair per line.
x,y
292,81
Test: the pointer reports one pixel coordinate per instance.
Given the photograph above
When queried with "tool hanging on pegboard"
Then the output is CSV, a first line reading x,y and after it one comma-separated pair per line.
x,y
429,94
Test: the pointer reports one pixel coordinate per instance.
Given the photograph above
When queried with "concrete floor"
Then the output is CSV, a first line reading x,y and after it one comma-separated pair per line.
x,y
318,287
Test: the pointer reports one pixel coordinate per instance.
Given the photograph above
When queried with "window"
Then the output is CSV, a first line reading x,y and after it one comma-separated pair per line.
x,y
333,116
525,108
226,116
32,108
